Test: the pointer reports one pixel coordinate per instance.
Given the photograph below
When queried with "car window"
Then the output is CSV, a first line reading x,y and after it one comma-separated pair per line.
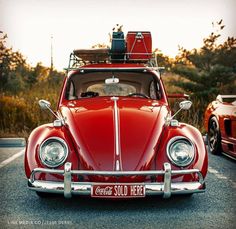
x,y
100,83
152,92
71,91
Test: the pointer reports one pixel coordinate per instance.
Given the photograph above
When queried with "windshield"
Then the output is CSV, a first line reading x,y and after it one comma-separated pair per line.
x,y
118,89
94,84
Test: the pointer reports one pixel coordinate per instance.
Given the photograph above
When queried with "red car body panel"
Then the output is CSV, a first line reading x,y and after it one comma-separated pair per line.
x,y
90,136
225,112
135,139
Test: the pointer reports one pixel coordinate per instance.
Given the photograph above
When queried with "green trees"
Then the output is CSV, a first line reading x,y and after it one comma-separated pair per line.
x,y
21,86
204,73
16,75
12,68
210,70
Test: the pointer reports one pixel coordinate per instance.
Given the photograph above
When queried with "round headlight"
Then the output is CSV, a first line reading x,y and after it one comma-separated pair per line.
x,y
180,151
53,152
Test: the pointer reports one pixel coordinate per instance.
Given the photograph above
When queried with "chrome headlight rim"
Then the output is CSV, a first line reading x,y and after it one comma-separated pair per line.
x,y
56,139
185,139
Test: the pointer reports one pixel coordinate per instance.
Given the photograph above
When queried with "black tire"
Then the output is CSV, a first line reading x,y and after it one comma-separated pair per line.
x,y
186,196
214,137
189,195
45,194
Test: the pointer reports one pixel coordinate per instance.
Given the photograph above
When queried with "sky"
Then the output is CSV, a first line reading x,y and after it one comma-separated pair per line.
x,y
74,24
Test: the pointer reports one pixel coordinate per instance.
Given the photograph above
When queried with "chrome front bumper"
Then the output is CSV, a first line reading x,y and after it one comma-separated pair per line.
x,y
166,188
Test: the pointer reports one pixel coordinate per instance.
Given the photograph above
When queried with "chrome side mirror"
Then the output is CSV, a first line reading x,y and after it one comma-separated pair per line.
x,y
185,105
44,104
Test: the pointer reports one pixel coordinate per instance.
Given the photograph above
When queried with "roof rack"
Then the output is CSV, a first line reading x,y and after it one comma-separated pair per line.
x,y
81,57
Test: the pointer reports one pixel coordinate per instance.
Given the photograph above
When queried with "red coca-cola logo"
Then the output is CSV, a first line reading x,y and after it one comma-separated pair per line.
x,y
106,191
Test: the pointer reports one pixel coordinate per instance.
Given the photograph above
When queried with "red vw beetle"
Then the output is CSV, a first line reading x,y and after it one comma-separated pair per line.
x,y
114,135
220,123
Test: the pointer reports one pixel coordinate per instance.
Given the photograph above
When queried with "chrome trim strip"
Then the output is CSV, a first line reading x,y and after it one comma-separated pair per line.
x,y
117,132
117,165
115,173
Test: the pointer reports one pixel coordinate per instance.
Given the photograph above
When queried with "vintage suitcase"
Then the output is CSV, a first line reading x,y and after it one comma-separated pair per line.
x,y
93,55
118,46
139,46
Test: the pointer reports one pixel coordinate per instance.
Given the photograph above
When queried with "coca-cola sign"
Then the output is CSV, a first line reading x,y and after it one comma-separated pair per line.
x,y
105,191
118,190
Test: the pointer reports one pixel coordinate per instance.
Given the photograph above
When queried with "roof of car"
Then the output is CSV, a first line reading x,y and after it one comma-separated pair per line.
x,y
134,67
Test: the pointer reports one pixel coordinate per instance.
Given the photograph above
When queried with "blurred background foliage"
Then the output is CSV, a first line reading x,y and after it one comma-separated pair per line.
x,y
21,86
206,72
202,73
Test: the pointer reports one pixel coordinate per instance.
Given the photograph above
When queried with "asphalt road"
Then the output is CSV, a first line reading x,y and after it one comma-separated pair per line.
x,y
22,208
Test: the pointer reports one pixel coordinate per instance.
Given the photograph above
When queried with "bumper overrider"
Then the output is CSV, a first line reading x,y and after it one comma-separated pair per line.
x,y
166,188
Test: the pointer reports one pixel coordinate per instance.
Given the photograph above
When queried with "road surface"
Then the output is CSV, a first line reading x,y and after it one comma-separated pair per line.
x,y
22,208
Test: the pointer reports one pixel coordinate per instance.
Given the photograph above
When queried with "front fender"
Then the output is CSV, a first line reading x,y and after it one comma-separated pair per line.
x,y
200,161
39,135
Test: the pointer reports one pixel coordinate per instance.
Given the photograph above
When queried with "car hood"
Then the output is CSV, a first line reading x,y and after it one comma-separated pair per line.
x,y
115,135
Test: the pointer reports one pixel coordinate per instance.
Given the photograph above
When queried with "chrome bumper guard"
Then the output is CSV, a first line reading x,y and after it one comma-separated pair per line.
x,y
166,188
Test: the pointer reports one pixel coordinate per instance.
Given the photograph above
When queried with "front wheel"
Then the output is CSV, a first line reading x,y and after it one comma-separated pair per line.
x,y
214,138
45,194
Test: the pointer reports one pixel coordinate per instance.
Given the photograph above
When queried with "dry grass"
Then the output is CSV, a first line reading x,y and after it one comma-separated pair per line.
x,y
20,114
195,115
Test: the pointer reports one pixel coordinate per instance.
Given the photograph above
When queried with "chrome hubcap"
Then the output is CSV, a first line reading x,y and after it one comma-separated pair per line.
x,y
213,135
